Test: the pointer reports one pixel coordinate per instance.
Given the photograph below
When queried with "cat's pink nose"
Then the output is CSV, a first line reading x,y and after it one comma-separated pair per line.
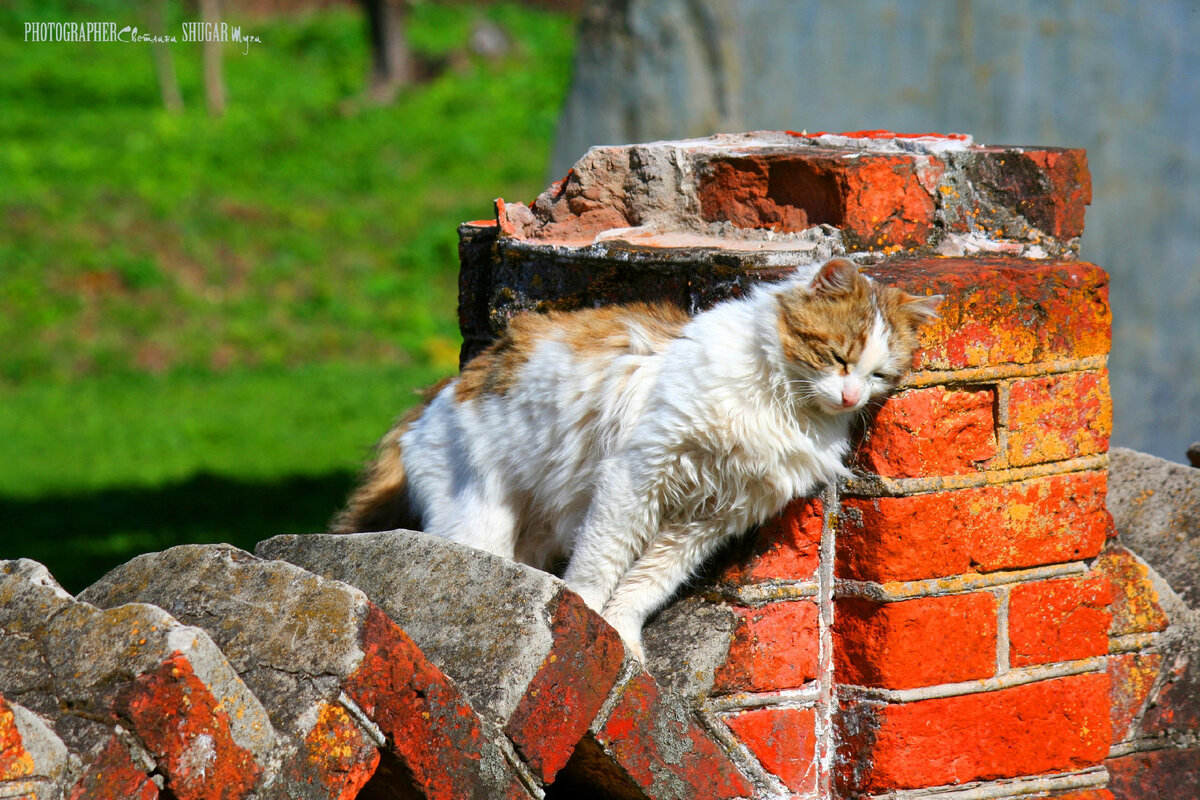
x,y
850,395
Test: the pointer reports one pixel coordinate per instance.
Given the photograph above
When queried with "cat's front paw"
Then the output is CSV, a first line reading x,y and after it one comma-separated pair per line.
x,y
631,634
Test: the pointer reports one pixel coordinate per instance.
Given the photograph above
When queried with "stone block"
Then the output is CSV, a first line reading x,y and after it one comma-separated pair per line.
x,y
660,750
1156,509
94,674
1132,676
1155,774
528,653
1135,606
112,774
318,654
33,760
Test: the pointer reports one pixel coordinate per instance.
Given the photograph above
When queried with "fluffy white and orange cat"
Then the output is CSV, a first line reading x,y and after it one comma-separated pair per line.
x,y
633,439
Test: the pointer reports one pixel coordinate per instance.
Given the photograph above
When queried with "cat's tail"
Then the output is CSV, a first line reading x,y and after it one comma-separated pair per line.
x,y
381,501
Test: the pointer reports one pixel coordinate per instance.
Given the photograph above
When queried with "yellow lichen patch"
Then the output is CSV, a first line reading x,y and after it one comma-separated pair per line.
x,y
15,761
338,752
1135,601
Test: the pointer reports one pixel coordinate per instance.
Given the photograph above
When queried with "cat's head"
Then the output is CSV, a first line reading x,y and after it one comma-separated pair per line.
x,y
847,340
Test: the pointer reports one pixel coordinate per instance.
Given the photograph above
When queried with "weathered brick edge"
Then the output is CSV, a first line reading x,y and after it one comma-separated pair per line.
x,y
589,717
346,688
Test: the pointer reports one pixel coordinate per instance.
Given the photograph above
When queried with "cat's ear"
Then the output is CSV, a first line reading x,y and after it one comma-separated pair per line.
x,y
838,276
925,308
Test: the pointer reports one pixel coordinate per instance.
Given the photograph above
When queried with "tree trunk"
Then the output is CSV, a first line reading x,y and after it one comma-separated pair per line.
x,y
214,81
391,62
164,60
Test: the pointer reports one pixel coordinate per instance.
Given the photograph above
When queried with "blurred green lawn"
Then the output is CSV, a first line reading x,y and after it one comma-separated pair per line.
x,y
205,323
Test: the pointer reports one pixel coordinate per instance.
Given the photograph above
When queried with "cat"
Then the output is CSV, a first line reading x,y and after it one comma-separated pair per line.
x,y
634,440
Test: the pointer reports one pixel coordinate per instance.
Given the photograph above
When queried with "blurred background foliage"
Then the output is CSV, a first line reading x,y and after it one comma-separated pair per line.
x,y
206,321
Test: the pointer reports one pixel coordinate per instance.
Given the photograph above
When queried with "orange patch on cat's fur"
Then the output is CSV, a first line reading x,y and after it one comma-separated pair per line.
x,y
380,503
587,332
825,320
815,324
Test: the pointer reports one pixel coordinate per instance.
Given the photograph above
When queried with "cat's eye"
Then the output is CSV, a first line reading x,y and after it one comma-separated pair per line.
x,y
841,361
879,376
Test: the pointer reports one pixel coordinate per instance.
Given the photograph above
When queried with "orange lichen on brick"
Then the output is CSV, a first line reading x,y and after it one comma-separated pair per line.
x,y
1056,417
1135,602
15,760
1006,311
1133,676
338,753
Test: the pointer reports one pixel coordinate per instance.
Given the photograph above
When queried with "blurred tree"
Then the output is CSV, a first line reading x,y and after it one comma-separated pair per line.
x,y
391,61
214,80
164,60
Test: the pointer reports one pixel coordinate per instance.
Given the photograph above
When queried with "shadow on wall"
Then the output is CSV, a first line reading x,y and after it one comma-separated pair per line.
x,y
79,537
1004,72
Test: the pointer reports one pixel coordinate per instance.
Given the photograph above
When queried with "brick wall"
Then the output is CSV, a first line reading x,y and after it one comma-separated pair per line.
x,y
940,621
958,621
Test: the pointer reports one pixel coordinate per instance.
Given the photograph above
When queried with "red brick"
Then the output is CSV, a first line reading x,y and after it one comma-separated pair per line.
x,y
878,200
1057,725
783,548
1058,620
662,750
112,774
15,760
1135,605
913,643
1085,794
1174,710
1049,187
1024,524
774,647
1059,211
429,725
1006,311
1166,774
784,740
931,432
568,689
1056,417
1132,677
183,726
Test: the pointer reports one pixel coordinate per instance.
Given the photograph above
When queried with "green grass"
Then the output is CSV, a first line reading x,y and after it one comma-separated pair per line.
x,y
109,467
205,322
